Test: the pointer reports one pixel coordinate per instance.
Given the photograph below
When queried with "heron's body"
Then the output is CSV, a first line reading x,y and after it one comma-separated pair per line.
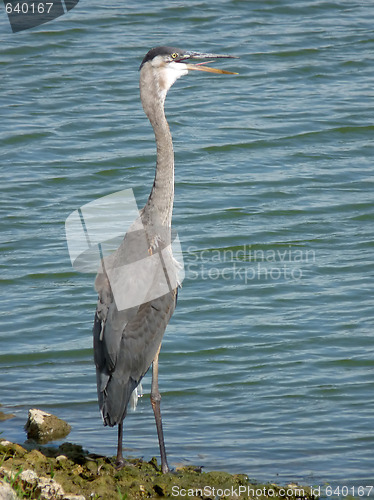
x,y
128,340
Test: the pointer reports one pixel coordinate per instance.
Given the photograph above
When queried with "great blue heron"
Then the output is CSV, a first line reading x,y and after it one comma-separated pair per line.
x,y
127,340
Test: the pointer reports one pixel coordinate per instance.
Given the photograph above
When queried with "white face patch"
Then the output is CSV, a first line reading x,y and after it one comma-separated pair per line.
x,y
168,72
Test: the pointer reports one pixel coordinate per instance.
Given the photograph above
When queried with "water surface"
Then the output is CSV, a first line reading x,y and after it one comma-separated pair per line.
x,y
267,365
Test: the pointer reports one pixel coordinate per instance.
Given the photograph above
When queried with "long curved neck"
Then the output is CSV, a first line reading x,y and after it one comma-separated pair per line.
x,y
159,207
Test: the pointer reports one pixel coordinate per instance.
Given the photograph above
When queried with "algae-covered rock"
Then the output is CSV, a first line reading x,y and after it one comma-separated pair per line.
x,y
74,452
44,427
71,473
5,416
11,449
43,488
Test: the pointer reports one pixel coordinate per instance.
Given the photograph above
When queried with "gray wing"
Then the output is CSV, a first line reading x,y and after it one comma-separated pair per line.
x,y
125,341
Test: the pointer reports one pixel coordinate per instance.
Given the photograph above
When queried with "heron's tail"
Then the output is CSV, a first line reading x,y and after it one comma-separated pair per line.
x,y
113,400
135,395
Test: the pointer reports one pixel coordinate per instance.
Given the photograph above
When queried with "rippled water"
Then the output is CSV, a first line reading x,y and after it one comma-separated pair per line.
x,y
267,365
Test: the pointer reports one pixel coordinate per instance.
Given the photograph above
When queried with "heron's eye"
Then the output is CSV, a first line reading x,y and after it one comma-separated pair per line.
x,y
174,55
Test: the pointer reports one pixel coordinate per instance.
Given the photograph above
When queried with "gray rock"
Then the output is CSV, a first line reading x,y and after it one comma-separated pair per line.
x,y
6,492
48,489
44,427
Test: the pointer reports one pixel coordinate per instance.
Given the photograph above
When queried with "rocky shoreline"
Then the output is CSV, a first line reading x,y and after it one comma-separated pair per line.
x,y
68,472
71,473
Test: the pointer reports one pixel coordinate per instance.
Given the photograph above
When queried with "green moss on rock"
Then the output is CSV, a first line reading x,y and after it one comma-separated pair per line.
x,y
95,477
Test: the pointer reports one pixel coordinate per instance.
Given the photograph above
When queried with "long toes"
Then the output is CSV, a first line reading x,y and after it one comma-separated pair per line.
x,y
123,463
165,468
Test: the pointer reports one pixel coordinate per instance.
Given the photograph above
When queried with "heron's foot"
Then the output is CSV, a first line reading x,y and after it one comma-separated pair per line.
x,y
121,463
165,469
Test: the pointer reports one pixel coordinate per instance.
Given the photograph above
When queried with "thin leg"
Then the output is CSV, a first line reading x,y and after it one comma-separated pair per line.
x,y
156,403
119,460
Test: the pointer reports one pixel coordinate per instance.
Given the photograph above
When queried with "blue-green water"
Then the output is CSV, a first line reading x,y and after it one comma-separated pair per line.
x,y
267,365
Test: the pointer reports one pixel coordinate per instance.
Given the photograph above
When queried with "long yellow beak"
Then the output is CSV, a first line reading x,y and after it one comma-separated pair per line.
x,y
209,69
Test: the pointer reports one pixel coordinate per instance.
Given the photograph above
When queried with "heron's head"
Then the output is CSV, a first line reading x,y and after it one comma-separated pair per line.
x,y
167,64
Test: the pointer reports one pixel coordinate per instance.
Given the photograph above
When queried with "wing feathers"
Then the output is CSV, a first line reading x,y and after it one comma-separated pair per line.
x,y
128,346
